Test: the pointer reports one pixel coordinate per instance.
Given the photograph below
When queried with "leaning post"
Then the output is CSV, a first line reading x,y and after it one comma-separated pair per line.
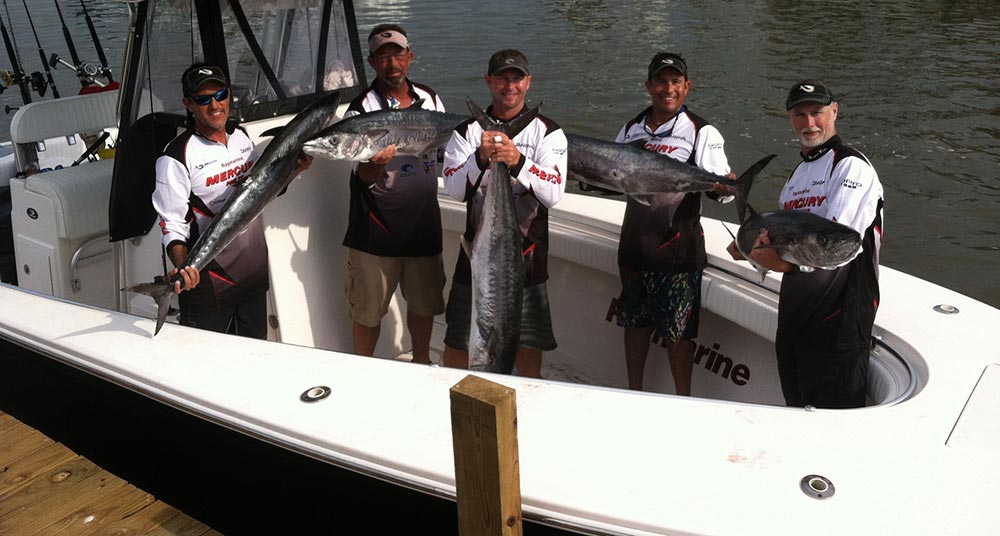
x,y
487,471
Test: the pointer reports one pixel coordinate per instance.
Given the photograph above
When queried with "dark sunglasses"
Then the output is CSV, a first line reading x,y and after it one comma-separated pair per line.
x,y
203,100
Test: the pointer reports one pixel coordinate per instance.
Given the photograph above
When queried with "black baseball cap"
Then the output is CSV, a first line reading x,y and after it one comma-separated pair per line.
x,y
663,60
507,59
199,74
808,91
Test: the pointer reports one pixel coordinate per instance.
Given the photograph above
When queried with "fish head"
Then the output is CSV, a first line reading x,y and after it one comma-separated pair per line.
x,y
829,247
340,146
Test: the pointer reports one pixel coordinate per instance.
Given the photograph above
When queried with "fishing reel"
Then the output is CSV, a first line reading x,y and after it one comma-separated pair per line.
x,y
86,72
38,83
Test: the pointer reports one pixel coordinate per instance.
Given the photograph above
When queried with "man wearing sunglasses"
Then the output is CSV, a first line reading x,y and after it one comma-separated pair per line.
x,y
198,171
394,225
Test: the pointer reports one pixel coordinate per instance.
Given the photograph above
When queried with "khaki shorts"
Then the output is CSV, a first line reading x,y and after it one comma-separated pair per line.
x,y
372,280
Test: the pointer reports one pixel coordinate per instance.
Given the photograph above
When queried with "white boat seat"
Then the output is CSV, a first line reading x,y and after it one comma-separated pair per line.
x,y
79,196
48,119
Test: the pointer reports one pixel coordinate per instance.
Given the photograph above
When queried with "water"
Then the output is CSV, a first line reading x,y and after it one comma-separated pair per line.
x,y
110,18
915,80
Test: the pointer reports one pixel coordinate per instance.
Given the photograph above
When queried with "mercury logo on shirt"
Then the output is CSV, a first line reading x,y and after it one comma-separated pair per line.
x,y
555,178
448,172
229,174
661,148
805,202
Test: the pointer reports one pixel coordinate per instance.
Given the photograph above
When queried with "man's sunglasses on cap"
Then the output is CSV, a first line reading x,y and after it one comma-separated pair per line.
x,y
203,100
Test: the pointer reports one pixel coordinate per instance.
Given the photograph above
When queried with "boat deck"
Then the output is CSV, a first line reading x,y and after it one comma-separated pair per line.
x,y
46,488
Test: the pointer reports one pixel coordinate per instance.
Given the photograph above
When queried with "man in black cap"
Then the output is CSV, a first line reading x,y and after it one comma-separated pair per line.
x,y
198,171
661,253
536,158
394,226
825,317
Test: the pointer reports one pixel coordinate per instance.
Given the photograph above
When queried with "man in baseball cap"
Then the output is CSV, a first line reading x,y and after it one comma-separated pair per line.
x,y
508,59
808,91
825,315
385,34
199,74
393,236
666,60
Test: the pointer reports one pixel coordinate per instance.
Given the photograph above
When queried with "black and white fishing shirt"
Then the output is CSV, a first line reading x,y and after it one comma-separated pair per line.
x,y
667,235
195,177
834,308
398,215
541,183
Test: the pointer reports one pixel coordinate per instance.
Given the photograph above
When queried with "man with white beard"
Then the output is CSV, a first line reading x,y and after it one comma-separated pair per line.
x,y
825,317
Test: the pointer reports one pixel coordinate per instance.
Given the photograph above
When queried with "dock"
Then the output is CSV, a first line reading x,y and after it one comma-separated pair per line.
x,y
46,488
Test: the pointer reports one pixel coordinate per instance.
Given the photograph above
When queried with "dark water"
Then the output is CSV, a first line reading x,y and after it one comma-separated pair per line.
x,y
110,18
916,81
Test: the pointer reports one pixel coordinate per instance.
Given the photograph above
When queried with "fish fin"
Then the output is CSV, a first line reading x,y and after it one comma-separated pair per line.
x,y
745,182
585,187
272,132
162,293
642,199
638,144
516,125
728,230
416,105
379,133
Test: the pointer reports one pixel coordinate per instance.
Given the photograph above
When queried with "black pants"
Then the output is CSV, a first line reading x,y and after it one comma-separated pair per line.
x,y
247,319
834,379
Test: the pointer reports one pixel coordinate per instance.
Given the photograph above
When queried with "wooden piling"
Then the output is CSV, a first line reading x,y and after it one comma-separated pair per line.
x,y
487,471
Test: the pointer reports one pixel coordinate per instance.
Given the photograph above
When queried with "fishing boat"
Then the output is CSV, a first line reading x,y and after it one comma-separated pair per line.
x,y
230,427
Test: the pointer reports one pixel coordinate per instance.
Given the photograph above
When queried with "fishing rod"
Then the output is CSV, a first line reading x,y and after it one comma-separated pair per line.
x,y
16,74
86,72
97,44
40,85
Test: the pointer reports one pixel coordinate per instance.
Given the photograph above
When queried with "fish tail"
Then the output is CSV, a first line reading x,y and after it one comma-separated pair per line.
x,y
511,129
162,293
745,182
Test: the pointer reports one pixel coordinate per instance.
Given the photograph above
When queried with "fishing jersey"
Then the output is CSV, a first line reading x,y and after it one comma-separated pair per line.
x,y
195,177
834,308
398,215
667,235
540,185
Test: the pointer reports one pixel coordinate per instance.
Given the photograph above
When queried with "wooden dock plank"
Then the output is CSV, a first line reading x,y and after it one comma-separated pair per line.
x,y
18,441
157,519
45,488
19,472
100,511
53,495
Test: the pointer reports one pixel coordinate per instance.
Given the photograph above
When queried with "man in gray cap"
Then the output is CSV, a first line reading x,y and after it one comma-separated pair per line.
x,y
198,171
825,317
394,225
661,253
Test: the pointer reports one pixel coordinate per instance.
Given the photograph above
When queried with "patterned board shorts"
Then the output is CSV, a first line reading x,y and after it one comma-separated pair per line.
x,y
668,302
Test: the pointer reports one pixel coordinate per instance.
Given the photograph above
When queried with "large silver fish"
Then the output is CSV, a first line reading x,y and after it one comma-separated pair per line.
x,y
632,170
800,237
414,131
498,266
270,175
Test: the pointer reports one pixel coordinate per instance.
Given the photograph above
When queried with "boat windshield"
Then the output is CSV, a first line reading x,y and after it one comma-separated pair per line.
x,y
276,51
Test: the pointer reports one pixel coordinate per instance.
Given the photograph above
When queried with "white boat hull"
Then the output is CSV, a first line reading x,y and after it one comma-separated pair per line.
x,y
592,457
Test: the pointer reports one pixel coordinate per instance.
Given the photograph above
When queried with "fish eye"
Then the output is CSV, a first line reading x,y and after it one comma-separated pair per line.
x,y
821,240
